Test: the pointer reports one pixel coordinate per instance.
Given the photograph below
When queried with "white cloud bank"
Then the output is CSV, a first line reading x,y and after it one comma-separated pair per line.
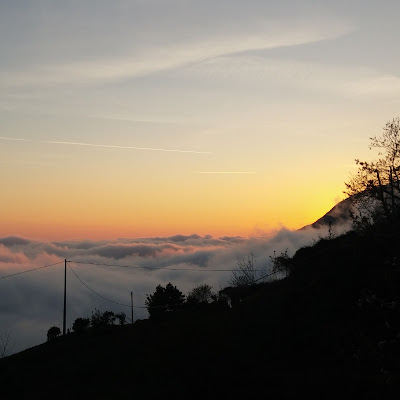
x,y
32,302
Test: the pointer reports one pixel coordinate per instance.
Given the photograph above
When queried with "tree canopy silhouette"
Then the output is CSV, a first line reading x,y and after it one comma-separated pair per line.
x,y
201,294
80,325
164,301
53,332
102,319
375,188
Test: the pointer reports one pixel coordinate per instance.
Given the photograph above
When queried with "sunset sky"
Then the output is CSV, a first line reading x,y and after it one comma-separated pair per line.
x,y
154,141
142,118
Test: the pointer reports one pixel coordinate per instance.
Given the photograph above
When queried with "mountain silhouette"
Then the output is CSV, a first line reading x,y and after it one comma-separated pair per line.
x,y
337,215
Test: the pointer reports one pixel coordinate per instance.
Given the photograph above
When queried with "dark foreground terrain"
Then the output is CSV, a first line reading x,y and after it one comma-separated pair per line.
x,y
335,319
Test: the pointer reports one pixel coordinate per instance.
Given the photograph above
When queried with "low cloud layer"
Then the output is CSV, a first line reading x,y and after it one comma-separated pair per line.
x,y
102,274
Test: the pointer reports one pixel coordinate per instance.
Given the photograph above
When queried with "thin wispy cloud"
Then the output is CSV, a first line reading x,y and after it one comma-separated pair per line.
x,y
225,172
109,146
14,139
177,55
261,71
374,84
125,147
133,119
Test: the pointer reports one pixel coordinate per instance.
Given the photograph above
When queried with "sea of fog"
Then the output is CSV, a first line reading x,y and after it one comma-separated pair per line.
x,y
102,274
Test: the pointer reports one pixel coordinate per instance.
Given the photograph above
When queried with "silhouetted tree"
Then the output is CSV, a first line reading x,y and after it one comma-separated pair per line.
x,y
121,317
201,294
6,347
245,273
282,263
53,332
164,301
102,319
375,189
80,325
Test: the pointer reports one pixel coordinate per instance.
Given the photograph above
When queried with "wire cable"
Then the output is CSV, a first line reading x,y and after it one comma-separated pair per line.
x,y
93,291
157,268
30,270
270,274
96,293
105,298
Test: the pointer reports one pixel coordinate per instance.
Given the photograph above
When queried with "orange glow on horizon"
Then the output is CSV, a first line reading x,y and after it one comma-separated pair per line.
x,y
214,206
245,225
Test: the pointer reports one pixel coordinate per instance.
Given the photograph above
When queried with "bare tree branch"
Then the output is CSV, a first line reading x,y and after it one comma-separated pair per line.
x,y
6,347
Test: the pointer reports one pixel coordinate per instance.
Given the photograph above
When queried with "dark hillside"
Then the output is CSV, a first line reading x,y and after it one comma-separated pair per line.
x,y
335,319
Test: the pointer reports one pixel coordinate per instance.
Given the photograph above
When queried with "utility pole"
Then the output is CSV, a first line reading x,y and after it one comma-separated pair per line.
x,y
65,296
131,308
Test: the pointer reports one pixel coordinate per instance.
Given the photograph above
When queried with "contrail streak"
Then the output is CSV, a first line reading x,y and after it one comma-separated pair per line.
x,y
126,147
109,146
13,139
225,172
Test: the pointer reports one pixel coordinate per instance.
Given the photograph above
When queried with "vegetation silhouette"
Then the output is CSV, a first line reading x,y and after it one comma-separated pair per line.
x,y
245,273
102,319
99,320
81,325
53,333
201,294
6,344
163,301
375,188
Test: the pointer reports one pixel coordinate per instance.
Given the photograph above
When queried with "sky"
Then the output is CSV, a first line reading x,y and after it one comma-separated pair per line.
x,y
135,120
146,118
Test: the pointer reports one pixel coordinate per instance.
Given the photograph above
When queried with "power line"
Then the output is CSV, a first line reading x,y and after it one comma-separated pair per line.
x,y
127,266
131,266
270,274
105,298
30,270
158,268
96,293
